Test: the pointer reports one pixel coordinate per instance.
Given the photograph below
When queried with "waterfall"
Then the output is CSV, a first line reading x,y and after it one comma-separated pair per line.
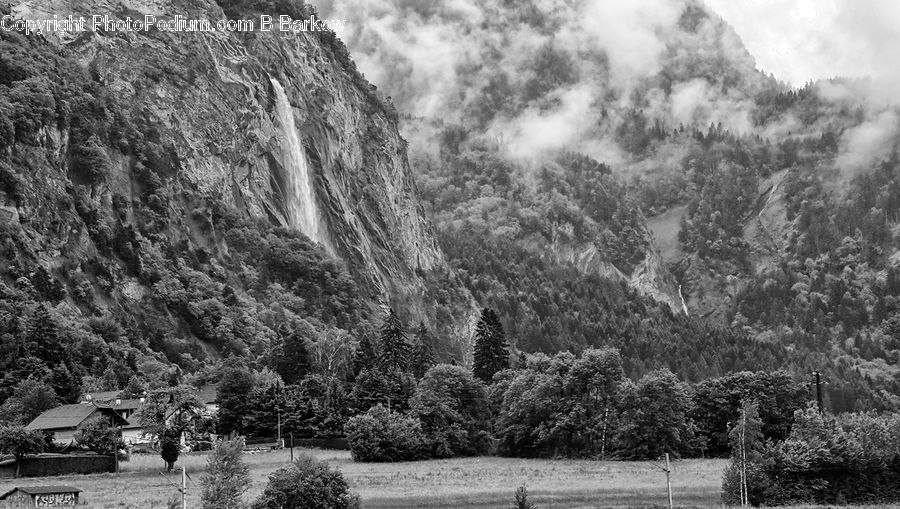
x,y
683,304
300,198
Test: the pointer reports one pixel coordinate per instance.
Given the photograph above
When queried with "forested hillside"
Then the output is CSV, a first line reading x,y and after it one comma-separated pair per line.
x,y
557,162
146,205
671,200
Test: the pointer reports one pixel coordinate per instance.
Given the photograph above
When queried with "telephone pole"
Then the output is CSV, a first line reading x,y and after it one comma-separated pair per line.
x,y
668,470
183,487
669,481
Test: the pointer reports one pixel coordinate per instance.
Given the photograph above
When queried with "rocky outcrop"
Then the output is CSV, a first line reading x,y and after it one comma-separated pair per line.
x,y
212,100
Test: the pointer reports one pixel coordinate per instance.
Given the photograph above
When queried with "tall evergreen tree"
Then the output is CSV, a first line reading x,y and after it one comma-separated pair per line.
x,y
43,336
491,349
421,357
394,346
364,357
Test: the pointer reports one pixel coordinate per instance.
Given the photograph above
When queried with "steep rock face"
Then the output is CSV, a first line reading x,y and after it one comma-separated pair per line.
x,y
710,286
211,98
649,276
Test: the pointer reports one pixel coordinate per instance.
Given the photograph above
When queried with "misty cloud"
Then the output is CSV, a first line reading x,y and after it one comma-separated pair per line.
x,y
808,40
869,143
551,73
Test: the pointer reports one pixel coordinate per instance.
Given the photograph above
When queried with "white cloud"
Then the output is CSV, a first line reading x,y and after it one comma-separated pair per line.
x,y
805,40
868,143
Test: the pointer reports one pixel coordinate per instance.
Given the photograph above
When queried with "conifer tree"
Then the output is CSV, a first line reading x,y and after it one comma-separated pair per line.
x,y
421,358
491,349
394,347
43,336
364,357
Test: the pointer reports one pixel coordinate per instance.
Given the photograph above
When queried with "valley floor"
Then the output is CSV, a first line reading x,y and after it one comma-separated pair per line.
x,y
483,482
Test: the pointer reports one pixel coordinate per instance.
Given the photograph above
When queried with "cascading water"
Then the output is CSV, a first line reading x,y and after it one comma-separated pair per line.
x,y
299,195
683,303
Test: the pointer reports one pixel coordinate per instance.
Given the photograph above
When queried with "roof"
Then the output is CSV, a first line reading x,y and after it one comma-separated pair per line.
x,y
69,417
134,421
102,396
123,404
38,490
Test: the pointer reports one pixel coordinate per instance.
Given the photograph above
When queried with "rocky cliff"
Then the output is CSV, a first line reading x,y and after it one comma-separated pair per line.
x,y
211,100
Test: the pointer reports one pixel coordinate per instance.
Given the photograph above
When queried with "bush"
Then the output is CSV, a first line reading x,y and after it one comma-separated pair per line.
x,y
227,477
851,459
170,447
307,484
522,501
99,436
758,484
90,161
381,435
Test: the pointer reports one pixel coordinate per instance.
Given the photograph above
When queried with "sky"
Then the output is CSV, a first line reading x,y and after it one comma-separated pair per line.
x,y
802,40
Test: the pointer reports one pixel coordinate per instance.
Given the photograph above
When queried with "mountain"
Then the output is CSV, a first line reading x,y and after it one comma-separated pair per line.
x,y
772,209
173,197
599,173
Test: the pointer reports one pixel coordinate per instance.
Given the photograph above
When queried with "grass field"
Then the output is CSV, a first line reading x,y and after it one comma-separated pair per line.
x,y
483,482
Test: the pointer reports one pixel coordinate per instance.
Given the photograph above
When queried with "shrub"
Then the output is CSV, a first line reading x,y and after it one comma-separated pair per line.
x,y
854,458
170,447
18,442
99,436
758,484
90,161
227,476
307,484
522,499
381,435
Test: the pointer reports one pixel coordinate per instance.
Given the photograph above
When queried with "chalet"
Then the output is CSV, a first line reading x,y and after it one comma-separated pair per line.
x,y
134,433
40,496
63,421
125,407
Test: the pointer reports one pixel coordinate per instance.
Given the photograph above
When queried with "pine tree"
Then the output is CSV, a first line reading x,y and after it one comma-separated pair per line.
x,y
491,349
364,356
421,358
394,347
43,336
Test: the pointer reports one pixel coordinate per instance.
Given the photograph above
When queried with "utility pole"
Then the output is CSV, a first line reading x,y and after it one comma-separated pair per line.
x,y
668,470
669,481
183,487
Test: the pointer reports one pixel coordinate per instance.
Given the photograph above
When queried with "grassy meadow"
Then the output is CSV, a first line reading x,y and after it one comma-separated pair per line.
x,y
481,482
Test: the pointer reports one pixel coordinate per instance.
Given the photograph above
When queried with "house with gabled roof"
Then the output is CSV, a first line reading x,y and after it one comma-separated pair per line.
x,y
63,421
